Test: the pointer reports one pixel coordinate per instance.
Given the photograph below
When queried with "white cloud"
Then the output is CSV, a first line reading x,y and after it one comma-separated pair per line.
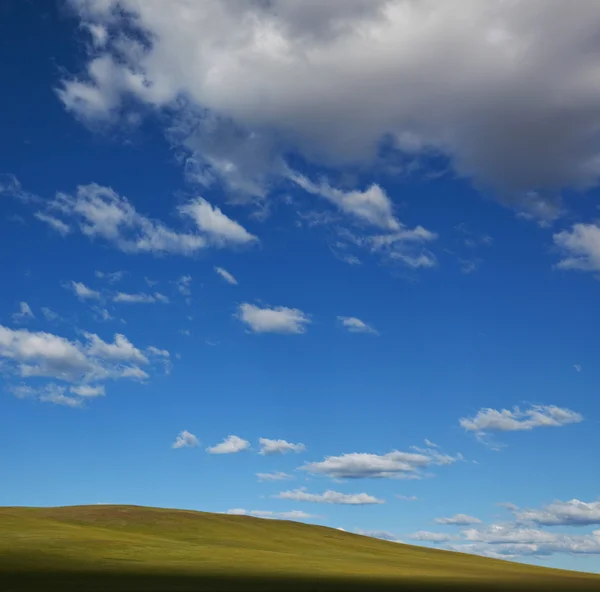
x,y
407,498
270,78
276,476
45,355
577,367
155,351
459,520
220,229
330,497
226,276
355,325
572,513
278,319
83,292
507,420
430,443
431,537
54,223
48,393
100,213
185,439
121,350
279,446
140,298
580,247
87,390
372,205
230,445
25,313
292,515
392,465
99,34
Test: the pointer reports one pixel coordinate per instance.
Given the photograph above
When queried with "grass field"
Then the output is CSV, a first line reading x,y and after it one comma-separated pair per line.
x,y
122,548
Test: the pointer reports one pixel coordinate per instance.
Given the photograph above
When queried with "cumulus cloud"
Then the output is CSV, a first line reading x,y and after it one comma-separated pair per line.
x,y
277,319
88,390
185,439
430,537
392,465
230,445
291,515
226,276
459,520
571,513
25,313
121,349
276,476
580,247
279,446
30,354
48,393
83,292
506,420
102,214
330,497
355,325
514,106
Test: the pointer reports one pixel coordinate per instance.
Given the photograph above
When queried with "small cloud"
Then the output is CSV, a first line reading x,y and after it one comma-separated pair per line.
x,y
330,497
87,390
430,443
577,367
355,325
407,498
459,520
226,276
279,447
185,439
83,292
230,445
278,319
276,476
25,313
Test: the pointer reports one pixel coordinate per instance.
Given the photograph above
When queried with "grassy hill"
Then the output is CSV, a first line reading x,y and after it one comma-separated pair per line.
x,y
138,548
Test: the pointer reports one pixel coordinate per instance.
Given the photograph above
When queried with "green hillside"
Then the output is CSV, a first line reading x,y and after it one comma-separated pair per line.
x,y
139,548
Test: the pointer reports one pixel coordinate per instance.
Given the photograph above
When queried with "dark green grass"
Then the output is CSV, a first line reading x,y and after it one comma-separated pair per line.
x,y
134,548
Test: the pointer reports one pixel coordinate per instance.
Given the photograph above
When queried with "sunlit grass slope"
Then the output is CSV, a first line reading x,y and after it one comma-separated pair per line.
x,y
138,548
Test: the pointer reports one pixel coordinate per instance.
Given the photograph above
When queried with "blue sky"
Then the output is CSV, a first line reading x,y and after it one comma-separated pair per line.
x,y
259,269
